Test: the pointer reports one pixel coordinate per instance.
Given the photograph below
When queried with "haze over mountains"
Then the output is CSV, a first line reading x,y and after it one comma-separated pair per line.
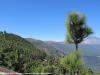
x,y
90,48
92,40
90,44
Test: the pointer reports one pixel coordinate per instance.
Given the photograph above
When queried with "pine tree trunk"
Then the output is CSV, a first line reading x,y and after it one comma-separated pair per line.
x,y
76,46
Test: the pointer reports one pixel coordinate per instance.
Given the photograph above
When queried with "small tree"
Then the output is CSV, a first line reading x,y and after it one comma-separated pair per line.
x,y
89,72
73,64
77,29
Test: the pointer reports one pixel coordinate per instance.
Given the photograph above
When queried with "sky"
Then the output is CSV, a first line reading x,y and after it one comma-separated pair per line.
x,y
46,19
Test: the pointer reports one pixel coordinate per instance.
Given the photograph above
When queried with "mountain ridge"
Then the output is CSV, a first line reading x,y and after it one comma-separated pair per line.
x,y
61,47
89,51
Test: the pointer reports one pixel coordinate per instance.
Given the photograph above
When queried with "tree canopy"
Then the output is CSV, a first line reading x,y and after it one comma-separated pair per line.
x,y
77,29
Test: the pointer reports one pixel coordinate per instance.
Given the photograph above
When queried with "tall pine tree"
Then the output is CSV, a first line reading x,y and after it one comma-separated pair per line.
x,y
77,28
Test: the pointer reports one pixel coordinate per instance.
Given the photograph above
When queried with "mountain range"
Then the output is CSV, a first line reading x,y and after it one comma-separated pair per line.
x,y
90,49
92,40
37,50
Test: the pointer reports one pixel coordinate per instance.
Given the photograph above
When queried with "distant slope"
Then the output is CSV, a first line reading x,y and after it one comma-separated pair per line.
x,y
92,62
63,49
91,40
87,49
90,52
49,49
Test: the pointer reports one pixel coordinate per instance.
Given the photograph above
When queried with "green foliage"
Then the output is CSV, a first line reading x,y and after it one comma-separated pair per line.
x,y
73,63
77,28
18,54
89,72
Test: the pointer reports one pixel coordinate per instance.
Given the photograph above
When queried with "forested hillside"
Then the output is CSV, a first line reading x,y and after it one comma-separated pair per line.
x,y
18,54
48,48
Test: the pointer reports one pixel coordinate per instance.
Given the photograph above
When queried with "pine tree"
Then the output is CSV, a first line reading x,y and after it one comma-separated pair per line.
x,y
77,29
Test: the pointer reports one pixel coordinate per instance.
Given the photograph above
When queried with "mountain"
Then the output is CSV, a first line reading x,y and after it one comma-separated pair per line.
x,y
91,40
52,47
90,50
42,45
87,49
18,54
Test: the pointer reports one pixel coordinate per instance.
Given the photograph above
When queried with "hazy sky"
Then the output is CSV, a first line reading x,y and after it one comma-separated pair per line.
x,y
45,19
